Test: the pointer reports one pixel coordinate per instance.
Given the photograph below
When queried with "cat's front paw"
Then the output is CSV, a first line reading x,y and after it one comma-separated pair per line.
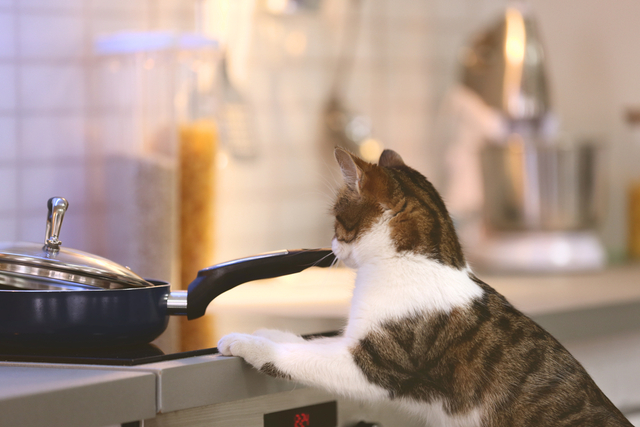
x,y
254,349
278,336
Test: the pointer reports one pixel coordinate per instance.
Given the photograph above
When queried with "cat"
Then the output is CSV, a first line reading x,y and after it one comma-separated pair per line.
x,y
423,330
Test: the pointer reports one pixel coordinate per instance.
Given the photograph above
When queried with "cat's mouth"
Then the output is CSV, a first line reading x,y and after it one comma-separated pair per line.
x,y
343,252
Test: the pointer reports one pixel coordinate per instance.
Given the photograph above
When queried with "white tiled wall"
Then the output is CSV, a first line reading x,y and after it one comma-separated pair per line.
x,y
7,84
405,63
285,196
8,145
45,57
7,34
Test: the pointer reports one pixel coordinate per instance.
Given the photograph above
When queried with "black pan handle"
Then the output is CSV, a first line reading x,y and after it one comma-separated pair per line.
x,y
215,280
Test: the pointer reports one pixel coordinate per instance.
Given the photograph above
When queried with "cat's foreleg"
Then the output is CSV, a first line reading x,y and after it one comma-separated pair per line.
x,y
278,336
322,362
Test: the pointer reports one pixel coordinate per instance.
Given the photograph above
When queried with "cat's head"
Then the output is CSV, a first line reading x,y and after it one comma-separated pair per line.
x,y
389,209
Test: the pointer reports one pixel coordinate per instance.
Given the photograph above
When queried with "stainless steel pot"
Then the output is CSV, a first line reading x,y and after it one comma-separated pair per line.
x,y
529,186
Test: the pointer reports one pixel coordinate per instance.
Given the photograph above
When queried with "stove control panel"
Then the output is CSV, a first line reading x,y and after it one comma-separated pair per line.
x,y
300,407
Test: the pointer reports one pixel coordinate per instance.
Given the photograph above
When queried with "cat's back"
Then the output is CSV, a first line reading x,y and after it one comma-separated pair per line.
x,y
485,364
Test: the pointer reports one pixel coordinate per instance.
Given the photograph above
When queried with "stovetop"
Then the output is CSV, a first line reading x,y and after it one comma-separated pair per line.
x,y
111,356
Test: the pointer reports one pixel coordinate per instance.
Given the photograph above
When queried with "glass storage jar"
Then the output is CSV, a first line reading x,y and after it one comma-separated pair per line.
x,y
152,156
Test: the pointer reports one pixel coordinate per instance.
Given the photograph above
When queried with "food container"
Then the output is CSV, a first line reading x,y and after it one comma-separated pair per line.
x,y
152,173
529,186
632,182
145,85
197,147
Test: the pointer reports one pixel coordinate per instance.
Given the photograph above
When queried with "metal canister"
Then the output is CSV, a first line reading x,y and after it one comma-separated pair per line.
x,y
529,186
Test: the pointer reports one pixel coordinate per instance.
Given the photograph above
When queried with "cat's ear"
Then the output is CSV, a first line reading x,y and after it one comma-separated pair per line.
x,y
390,159
352,173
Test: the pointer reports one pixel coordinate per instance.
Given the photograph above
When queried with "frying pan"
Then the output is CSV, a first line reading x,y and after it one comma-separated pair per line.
x,y
80,308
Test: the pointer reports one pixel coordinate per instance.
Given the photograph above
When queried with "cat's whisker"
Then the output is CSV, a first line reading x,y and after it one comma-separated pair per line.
x,y
323,258
334,263
330,187
330,177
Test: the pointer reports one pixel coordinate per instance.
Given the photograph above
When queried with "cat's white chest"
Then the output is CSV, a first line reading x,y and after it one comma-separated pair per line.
x,y
392,285
400,287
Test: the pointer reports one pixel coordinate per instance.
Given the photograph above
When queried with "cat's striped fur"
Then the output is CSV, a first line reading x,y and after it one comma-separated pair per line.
x,y
423,330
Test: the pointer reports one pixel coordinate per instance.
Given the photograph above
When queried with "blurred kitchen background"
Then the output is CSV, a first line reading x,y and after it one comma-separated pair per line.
x,y
101,102
189,132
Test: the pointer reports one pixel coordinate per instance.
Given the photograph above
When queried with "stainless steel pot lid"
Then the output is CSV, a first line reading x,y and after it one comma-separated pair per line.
x,y
50,267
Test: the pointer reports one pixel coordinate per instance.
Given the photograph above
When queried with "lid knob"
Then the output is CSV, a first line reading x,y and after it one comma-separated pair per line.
x,y
57,207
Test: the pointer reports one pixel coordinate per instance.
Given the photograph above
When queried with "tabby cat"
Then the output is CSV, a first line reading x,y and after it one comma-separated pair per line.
x,y
423,330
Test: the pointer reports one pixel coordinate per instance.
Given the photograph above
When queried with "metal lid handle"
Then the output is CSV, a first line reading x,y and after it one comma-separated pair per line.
x,y
57,207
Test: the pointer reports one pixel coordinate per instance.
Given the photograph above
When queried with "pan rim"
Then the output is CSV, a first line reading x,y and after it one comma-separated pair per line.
x,y
156,284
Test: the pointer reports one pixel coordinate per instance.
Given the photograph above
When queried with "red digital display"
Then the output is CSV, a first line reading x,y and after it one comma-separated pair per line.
x,y
302,420
320,415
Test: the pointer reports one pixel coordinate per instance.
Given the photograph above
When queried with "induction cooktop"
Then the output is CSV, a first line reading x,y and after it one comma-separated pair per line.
x,y
113,356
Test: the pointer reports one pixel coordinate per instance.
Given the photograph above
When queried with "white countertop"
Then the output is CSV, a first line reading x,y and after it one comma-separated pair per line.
x,y
39,396
65,395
